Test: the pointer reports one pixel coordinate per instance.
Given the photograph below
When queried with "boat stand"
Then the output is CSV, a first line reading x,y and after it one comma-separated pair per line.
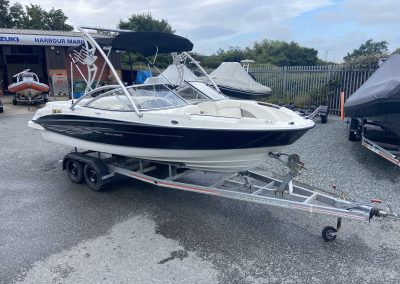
x,y
248,186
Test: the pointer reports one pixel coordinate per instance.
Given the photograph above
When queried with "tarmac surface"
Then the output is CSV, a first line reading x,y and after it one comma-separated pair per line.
x,y
54,231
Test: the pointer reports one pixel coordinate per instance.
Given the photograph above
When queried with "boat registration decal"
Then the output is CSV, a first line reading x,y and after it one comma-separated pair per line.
x,y
56,110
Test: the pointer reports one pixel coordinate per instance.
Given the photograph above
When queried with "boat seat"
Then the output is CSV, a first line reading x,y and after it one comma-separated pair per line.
x,y
225,108
228,108
189,109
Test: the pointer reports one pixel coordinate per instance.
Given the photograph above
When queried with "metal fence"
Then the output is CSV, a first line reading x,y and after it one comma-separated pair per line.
x,y
308,86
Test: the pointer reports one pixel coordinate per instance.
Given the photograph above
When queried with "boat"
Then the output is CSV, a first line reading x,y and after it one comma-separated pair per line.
x,y
28,88
377,101
234,81
193,126
173,75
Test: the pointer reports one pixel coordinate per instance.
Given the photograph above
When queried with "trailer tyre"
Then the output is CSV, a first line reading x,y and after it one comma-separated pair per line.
x,y
92,177
353,136
74,170
14,101
329,234
324,118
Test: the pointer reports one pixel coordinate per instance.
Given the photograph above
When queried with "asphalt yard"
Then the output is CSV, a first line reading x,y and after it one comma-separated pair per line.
x,y
54,231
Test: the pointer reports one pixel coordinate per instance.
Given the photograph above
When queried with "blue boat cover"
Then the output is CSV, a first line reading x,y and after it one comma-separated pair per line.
x,y
142,75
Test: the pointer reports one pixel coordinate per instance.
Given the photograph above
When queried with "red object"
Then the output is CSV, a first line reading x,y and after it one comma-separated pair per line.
x,y
334,186
376,201
342,105
28,85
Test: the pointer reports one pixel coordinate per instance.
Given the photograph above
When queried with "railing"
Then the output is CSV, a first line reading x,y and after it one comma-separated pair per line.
x,y
308,86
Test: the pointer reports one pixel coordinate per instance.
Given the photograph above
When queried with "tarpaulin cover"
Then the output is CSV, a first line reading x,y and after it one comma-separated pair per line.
x,y
142,75
380,94
233,75
173,76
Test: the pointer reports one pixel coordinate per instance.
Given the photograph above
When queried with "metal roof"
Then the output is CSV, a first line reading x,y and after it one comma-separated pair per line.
x,y
44,32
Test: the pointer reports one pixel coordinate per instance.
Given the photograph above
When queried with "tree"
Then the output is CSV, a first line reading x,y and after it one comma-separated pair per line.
x,y
56,20
145,23
273,52
368,49
397,50
5,18
18,16
36,17
283,53
32,17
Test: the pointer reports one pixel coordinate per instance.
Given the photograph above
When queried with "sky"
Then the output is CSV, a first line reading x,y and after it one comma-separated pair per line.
x,y
333,27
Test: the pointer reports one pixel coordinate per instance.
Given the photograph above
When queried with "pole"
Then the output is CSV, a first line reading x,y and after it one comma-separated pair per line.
x,y
72,82
342,105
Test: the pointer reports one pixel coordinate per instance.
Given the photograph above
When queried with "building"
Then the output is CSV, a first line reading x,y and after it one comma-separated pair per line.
x,y
47,53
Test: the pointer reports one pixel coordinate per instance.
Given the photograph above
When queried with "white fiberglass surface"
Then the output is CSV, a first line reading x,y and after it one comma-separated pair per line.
x,y
206,90
146,97
29,77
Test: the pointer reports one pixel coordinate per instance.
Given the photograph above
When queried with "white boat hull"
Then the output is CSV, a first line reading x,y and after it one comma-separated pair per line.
x,y
207,160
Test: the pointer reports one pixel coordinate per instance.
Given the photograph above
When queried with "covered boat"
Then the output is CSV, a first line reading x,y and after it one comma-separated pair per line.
x,y
174,75
233,80
378,99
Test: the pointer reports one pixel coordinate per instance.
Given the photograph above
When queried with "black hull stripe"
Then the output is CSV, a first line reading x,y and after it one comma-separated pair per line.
x,y
121,133
242,94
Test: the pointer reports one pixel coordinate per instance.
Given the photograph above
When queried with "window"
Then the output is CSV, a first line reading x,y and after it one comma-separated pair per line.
x,y
112,101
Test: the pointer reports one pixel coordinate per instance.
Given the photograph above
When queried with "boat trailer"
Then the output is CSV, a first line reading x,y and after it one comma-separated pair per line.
x,y
389,151
99,169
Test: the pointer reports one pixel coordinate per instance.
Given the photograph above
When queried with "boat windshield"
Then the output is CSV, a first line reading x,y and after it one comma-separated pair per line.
x,y
28,77
198,91
146,97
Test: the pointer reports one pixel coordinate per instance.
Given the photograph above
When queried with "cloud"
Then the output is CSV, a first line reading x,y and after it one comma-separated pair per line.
x,y
375,12
203,21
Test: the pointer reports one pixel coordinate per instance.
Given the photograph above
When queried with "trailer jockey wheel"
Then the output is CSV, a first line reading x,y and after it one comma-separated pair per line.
x,y
329,234
92,177
74,170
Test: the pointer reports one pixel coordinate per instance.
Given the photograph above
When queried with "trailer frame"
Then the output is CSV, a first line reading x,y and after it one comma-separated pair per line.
x,y
98,169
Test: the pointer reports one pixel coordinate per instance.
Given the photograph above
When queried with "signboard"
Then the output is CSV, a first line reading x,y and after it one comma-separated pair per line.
x,y
17,39
59,84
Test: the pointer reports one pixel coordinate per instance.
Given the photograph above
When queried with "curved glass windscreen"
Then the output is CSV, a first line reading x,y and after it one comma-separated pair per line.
x,y
155,97
200,86
145,97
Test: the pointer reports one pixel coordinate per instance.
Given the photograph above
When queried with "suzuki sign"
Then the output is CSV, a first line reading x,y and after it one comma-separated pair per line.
x,y
17,39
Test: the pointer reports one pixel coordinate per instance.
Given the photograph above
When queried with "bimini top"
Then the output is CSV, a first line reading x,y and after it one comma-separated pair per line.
x,y
380,94
147,43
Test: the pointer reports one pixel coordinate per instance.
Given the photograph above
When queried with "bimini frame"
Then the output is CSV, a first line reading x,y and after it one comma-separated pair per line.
x,y
87,56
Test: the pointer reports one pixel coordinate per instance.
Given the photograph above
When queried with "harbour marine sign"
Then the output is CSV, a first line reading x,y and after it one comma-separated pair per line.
x,y
17,39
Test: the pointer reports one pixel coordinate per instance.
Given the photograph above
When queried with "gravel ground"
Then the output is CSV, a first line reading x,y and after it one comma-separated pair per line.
x,y
331,159
53,231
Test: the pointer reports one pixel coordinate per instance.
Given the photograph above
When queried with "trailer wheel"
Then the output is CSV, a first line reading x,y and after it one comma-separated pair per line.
x,y
74,170
353,136
92,177
324,118
329,234
14,101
